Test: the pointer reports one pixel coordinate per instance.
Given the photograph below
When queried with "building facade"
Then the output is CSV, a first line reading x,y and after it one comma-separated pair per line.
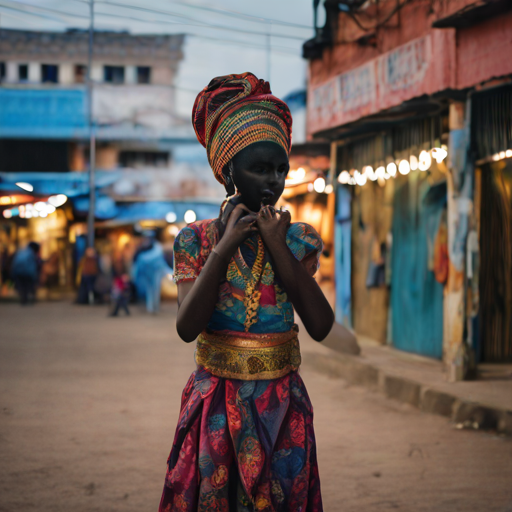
x,y
147,157
414,98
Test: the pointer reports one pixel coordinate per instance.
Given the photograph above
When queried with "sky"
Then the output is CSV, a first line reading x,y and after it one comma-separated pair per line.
x,y
224,36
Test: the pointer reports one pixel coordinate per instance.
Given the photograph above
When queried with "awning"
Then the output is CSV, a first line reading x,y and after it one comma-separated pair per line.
x,y
71,184
130,213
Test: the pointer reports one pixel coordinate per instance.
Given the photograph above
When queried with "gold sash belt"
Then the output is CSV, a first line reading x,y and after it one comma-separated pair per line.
x,y
248,356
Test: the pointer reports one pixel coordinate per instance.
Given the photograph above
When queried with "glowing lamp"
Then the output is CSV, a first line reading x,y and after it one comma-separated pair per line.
x,y
57,200
344,177
439,154
25,186
190,216
391,168
171,217
360,179
425,161
413,163
300,174
404,167
380,171
319,185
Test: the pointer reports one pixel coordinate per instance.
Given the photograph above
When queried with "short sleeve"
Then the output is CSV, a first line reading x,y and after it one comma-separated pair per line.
x,y
303,240
186,255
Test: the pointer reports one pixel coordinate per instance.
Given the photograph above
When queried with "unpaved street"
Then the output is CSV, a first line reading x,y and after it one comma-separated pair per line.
x,y
89,405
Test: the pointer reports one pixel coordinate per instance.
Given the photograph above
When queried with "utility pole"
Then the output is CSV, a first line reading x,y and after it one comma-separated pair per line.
x,y
269,50
92,135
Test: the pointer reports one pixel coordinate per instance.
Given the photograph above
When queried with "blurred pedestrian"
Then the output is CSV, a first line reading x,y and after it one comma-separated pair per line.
x,y
89,270
121,294
26,266
149,269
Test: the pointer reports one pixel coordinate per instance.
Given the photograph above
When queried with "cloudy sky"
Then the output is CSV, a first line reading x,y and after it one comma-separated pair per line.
x,y
224,36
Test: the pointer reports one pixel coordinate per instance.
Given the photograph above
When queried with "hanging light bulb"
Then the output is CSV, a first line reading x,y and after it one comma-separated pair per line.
x,y
361,179
319,185
508,153
380,171
404,167
439,154
344,177
391,168
425,161
300,174
369,173
329,189
413,163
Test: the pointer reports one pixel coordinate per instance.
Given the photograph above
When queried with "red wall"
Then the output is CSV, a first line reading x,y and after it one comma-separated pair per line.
x,y
484,51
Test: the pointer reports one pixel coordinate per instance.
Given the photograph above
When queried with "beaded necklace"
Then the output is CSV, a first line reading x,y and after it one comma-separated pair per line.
x,y
251,277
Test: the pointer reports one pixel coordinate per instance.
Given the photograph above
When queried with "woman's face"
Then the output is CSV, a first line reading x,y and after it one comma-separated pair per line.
x,y
259,172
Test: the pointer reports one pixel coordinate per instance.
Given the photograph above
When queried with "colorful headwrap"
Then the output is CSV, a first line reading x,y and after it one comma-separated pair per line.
x,y
235,111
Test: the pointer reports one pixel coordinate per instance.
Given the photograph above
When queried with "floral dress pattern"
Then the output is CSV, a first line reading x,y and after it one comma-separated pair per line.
x,y
243,445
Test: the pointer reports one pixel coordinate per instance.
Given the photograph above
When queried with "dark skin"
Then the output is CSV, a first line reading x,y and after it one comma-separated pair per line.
x,y
258,172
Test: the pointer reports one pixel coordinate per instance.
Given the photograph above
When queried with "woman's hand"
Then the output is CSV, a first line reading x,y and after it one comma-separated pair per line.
x,y
273,225
240,225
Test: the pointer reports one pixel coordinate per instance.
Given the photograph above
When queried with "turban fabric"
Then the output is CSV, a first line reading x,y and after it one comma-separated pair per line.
x,y
234,111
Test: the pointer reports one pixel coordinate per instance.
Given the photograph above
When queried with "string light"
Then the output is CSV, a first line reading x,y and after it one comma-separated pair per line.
x,y
344,177
361,179
425,161
391,168
404,167
440,154
319,185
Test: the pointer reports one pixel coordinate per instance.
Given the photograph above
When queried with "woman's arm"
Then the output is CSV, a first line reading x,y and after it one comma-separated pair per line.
x,y
301,288
197,299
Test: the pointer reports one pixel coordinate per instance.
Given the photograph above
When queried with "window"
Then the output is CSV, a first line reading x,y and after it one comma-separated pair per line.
x,y
80,73
23,72
113,74
50,73
2,71
143,74
138,159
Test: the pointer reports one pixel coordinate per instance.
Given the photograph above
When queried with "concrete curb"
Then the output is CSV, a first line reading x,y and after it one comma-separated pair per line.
x,y
465,413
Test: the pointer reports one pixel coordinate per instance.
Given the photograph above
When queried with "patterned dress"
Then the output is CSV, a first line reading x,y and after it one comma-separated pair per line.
x,y
243,445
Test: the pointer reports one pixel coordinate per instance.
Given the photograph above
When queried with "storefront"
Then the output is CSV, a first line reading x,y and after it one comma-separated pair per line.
x,y
393,186
489,262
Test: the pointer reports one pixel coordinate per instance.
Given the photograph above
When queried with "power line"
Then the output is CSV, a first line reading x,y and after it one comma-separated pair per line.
x,y
198,23
234,14
210,25
278,49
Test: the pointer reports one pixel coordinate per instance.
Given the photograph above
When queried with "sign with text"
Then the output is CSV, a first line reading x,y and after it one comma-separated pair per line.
x,y
422,66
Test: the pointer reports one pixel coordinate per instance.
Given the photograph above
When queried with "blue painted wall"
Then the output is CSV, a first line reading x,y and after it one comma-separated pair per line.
x,y
416,297
342,254
43,113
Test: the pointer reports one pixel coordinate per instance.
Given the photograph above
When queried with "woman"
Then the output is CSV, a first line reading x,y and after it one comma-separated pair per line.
x,y
245,439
